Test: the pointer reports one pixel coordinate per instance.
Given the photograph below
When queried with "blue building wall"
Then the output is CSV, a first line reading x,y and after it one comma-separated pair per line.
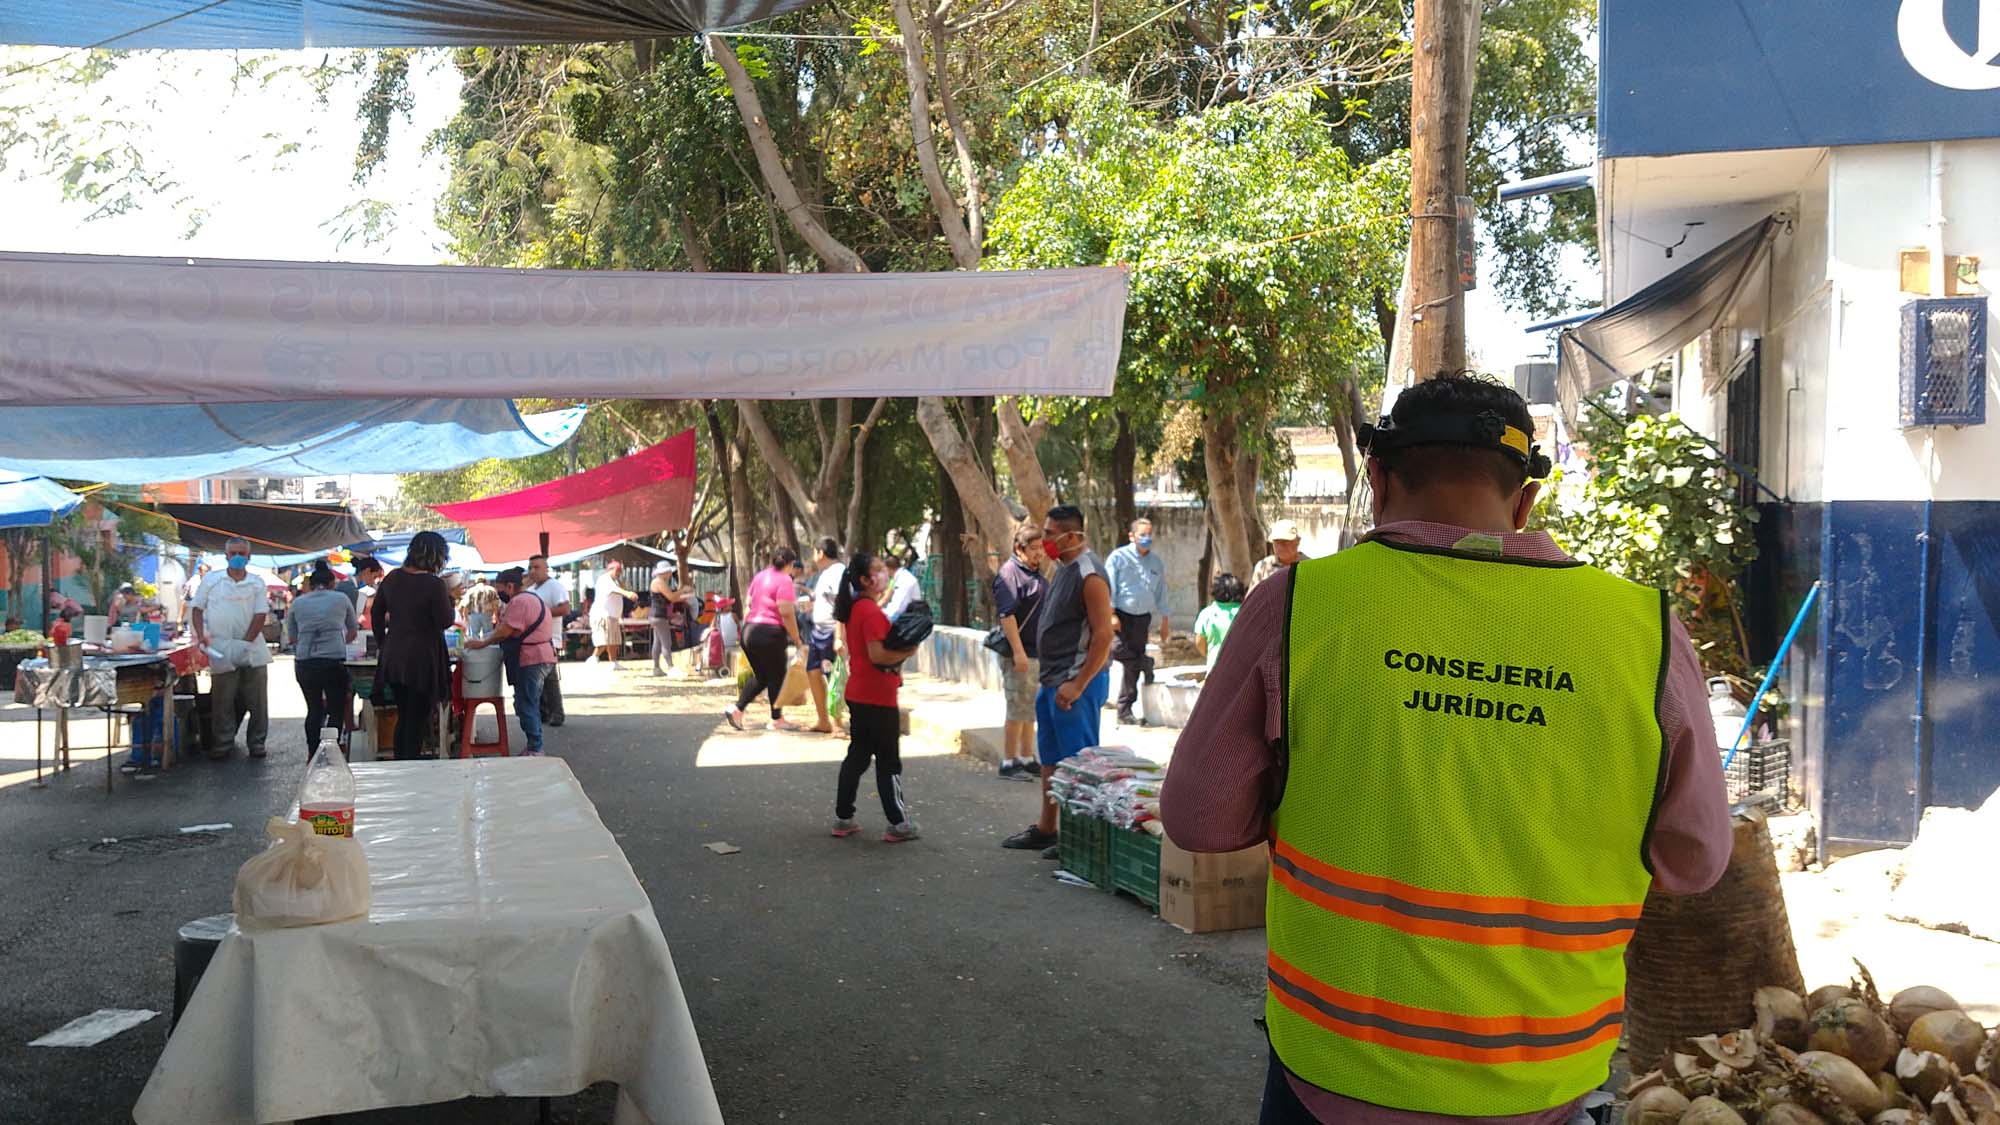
x,y
1908,650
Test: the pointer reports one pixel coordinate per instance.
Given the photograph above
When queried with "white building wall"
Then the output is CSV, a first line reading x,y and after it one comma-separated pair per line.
x,y
1879,204
1797,336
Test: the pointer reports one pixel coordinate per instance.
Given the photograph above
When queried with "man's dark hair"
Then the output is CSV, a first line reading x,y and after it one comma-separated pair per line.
x,y
532,558
1227,588
828,549
1465,395
512,576
1069,517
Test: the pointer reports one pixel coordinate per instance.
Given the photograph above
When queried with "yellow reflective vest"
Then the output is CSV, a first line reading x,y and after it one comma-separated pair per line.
x,y
1473,754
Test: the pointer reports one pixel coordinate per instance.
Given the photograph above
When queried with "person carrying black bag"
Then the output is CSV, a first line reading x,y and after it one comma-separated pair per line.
x,y
527,651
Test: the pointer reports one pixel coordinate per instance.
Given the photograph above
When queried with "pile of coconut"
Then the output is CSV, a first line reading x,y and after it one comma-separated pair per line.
x,y
1840,1056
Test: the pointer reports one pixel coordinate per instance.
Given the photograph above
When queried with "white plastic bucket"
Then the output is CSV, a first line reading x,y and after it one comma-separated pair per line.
x,y
96,627
484,676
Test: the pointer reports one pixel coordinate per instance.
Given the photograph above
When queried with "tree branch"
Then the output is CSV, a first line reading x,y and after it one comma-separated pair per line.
x,y
963,250
968,167
859,481
780,465
830,249
1017,441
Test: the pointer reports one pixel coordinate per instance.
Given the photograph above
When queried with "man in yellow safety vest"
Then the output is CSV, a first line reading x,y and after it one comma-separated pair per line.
x,y
1472,756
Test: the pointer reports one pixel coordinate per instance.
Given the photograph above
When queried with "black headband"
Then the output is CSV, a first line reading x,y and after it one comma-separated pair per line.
x,y
1485,430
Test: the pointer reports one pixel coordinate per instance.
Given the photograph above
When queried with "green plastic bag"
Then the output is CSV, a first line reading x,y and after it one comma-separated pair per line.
x,y
835,704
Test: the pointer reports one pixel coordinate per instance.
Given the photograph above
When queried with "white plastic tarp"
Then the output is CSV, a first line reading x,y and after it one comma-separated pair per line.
x,y
509,952
93,330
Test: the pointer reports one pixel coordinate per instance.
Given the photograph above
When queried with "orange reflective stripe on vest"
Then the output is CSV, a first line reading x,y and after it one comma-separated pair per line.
x,y
1443,1035
1482,919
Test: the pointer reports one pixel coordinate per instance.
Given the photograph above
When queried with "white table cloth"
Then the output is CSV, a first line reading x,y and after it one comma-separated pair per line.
x,y
510,951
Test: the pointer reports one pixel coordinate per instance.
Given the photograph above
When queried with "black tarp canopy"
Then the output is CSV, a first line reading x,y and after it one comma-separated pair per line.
x,y
272,529
1657,321
291,24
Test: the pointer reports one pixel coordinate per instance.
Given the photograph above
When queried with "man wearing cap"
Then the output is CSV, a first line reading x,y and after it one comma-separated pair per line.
x,y
1284,552
1466,807
526,635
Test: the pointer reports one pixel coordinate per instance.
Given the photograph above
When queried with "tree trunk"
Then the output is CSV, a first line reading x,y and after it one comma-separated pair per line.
x,y
785,517
1020,441
948,545
858,480
1222,458
995,523
691,244
815,503
1124,465
743,525
1205,573
772,165
1440,113
1397,375
964,250
961,138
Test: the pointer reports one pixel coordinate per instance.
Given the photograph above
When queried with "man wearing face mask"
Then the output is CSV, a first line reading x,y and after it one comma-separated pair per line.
x,y
1138,591
229,613
1073,634
1466,808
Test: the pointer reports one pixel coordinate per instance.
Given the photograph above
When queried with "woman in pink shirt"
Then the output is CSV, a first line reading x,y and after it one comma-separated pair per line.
x,y
770,626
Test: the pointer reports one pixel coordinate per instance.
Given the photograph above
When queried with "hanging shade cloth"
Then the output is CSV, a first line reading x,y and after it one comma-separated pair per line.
x,y
33,501
270,528
1659,320
83,330
150,444
644,494
287,24
391,550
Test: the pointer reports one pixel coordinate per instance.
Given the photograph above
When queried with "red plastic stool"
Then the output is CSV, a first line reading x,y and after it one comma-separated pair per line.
x,y
467,748
465,709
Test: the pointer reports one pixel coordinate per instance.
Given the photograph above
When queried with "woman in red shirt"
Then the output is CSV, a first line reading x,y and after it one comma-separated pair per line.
x,y
874,727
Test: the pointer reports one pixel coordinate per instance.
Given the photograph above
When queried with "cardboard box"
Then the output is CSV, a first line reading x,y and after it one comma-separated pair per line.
x,y
1205,893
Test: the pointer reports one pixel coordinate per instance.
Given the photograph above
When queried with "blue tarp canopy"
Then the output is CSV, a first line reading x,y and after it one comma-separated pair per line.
x,y
293,24
149,444
33,501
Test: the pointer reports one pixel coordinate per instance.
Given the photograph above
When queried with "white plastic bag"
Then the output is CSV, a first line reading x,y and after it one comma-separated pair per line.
x,y
302,879
219,663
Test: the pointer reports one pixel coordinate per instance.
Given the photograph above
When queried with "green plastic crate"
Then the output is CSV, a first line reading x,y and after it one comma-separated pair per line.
x,y
1086,847
1135,865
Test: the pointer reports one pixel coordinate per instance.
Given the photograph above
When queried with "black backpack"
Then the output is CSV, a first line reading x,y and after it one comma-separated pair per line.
x,y
909,630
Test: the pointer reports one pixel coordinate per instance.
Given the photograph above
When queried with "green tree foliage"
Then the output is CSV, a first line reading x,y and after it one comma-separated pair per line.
x,y
1255,244
1661,507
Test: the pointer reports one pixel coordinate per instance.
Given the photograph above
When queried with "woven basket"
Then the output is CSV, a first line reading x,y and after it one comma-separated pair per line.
x,y
1697,961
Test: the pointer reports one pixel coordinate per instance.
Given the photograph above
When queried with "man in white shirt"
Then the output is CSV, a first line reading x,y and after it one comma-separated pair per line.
x,y
555,595
607,615
823,648
903,587
229,613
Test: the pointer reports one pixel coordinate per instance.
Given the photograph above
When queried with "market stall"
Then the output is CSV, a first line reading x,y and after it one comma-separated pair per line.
x,y
496,872
139,685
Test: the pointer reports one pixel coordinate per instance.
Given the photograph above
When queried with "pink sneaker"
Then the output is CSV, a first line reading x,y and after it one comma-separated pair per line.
x,y
845,828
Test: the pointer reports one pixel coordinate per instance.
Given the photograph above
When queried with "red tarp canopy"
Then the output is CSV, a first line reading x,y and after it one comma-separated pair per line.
x,y
644,494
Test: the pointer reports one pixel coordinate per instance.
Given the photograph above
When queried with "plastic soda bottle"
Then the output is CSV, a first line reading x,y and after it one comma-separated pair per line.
x,y
326,800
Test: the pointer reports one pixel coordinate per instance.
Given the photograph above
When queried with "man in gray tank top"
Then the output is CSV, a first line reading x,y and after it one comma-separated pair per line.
x,y
1075,631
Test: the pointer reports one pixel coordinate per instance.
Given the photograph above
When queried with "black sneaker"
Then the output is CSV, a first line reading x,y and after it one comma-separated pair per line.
x,y
1030,772
1053,851
1125,719
1029,839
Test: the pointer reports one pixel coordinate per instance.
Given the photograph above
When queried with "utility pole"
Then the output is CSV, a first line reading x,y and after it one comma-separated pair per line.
x,y
1447,44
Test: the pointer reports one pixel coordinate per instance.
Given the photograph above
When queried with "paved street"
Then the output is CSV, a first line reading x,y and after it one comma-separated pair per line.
x,y
940,981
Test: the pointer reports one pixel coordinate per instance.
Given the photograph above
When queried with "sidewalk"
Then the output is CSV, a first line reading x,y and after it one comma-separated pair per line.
x,y
970,720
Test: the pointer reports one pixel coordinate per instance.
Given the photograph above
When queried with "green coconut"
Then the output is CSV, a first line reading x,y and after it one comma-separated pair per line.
x,y
1711,1111
1826,994
1950,1033
1848,1082
1848,1027
1658,1105
1912,1004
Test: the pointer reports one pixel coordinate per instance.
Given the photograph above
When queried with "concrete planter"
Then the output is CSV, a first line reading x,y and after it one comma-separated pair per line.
x,y
1169,699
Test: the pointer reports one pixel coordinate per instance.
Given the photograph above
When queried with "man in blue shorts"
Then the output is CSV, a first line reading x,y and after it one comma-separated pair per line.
x,y
1074,641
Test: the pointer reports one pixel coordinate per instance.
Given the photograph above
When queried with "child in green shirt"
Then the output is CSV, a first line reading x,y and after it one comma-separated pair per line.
x,y
1226,594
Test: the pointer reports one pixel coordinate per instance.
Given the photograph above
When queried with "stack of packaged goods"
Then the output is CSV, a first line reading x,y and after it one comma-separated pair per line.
x,y
1112,784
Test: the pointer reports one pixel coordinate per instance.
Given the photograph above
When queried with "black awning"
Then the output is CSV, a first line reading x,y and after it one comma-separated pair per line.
x,y
1652,324
288,24
272,529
